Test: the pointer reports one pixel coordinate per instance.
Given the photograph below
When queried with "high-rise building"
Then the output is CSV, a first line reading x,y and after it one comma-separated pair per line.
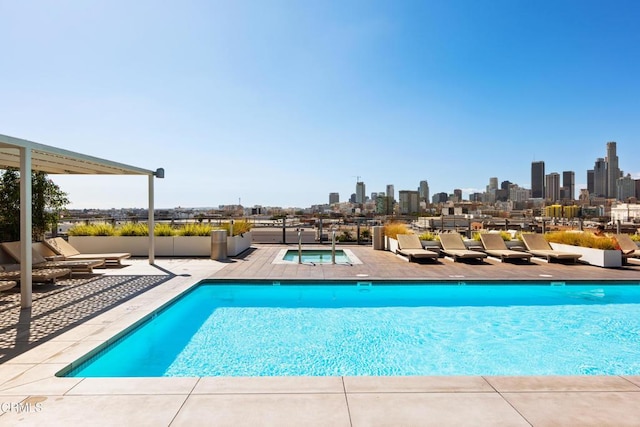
x,y
537,180
457,194
360,192
390,191
424,191
334,198
613,171
553,187
590,181
626,188
408,202
568,190
600,178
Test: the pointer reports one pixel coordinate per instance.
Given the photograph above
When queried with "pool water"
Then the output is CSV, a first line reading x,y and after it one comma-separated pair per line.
x,y
392,329
318,256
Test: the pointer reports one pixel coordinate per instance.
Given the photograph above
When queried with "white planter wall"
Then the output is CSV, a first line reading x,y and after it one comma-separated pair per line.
x,y
165,245
599,257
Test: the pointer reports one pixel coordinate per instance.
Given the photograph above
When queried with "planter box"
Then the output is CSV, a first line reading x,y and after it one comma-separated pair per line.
x,y
238,244
168,246
599,257
391,244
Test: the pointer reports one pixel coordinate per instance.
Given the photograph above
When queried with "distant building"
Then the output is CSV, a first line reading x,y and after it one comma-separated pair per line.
x,y
457,195
424,191
568,190
626,188
360,192
552,187
613,171
600,178
590,181
537,180
390,191
334,198
439,198
408,202
384,205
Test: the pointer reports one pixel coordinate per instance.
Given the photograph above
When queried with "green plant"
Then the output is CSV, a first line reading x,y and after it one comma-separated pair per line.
x,y
428,236
345,236
163,229
134,229
635,237
239,227
195,230
97,229
392,229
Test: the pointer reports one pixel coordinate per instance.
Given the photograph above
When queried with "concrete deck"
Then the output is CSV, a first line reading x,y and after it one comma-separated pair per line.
x,y
72,317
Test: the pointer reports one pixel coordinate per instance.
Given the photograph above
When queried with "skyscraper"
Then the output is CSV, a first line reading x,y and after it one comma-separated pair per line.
x,y
334,198
424,191
600,178
537,180
613,171
590,181
568,185
553,187
408,202
390,191
360,192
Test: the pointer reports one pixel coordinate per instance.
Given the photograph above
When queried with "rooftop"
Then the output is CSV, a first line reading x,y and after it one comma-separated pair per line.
x,y
74,316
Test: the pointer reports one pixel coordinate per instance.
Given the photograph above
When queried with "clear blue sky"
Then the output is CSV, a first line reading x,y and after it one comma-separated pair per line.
x,y
279,103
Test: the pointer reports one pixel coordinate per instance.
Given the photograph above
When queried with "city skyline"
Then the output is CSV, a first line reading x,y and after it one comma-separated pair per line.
x,y
281,103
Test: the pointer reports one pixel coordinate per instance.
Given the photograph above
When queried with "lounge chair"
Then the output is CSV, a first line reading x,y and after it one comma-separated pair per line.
x,y
495,247
5,285
628,247
453,246
409,245
37,275
38,261
539,247
64,248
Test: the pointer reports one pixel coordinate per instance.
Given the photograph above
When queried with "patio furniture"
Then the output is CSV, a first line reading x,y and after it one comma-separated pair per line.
x,y
37,275
86,266
453,246
539,247
65,249
628,247
5,285
494,246
409,245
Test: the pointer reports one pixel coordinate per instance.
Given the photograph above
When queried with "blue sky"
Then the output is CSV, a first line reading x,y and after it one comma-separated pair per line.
x,y
279,103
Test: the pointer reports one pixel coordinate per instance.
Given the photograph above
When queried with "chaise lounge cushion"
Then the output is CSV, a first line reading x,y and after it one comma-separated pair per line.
x,y
539,247
453,246
495,246
409,245
64,248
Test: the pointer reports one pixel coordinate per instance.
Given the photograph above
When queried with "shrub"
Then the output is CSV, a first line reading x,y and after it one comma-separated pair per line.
x,y
392,229
427,236
239,227
97,229
134,229
635,237
163,229
195,230
583,238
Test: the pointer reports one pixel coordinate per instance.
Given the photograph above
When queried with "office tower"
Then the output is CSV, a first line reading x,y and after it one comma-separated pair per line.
x,y
408,202
374,196
360,192
590,181
493,183
457,193
334,198
568,185
537,180
626,188
384,205
352,199
613,171
390,192
600,178
424,191
439,197
553,187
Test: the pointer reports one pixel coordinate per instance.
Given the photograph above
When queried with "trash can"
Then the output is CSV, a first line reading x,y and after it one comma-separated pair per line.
x,y
378,237
219,244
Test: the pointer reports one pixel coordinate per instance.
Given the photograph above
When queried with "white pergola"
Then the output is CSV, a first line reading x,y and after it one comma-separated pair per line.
x,y
27,156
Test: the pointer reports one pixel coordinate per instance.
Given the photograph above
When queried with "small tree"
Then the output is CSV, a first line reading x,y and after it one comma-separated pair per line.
x,y
48,201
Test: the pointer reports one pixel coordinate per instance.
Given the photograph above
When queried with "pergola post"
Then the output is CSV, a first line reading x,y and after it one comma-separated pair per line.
x,y
25,228
151,222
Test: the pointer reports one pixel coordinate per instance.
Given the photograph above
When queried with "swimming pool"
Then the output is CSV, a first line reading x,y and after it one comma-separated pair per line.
x,y
316,256
282,329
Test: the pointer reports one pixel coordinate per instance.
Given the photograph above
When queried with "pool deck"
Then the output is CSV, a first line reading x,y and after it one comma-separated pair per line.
x,y
69,319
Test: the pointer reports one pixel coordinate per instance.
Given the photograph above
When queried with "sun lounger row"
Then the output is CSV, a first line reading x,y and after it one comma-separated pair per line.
x,y
453,247
37,275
